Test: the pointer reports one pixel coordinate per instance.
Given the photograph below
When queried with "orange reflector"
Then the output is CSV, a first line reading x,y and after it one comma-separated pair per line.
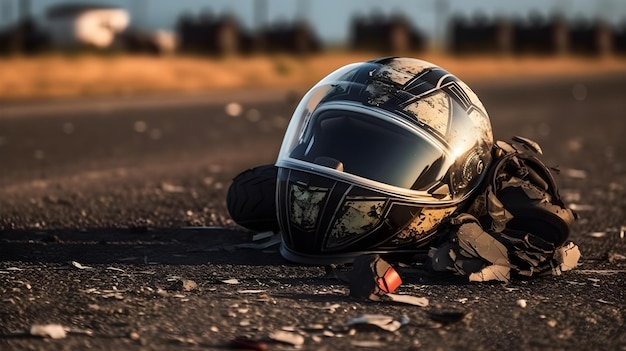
x,y
390,281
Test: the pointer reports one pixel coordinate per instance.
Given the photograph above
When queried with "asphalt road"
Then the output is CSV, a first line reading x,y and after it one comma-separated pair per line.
x,y
132,191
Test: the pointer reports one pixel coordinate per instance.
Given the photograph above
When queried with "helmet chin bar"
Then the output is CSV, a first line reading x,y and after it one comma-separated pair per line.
x,y
327,220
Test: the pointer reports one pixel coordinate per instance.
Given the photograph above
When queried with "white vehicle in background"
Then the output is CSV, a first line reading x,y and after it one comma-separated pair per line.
x,y
70,26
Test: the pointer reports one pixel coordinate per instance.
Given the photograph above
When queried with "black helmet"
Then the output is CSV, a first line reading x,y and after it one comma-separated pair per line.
x,y
376,156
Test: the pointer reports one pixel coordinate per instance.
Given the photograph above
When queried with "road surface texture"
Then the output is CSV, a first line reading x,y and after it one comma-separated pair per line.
x,y
113,225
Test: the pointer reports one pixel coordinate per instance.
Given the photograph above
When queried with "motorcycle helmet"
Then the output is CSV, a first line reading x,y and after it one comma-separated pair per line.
x,y
376,156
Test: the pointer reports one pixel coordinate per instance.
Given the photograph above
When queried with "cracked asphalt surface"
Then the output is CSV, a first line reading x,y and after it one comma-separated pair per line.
x,y
108,205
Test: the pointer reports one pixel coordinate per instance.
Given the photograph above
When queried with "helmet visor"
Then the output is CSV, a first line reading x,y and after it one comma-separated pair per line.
x,y
370,148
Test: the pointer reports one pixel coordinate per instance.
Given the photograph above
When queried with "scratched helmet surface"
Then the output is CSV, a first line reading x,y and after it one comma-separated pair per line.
x,y
376,156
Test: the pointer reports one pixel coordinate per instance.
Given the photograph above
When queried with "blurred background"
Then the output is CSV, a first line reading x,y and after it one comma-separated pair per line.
x,y
54,48
133,113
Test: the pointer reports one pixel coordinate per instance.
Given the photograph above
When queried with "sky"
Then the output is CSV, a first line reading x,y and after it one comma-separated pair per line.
x,y
331,18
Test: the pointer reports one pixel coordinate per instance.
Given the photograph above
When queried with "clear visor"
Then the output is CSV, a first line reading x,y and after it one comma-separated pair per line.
x,y
386,155
370,148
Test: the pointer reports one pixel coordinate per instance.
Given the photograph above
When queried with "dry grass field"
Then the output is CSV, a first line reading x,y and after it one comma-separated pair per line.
x,y
58,75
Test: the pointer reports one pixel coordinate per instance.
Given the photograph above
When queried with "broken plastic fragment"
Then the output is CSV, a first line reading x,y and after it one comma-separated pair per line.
x,y
384,322
53,331
581,207
231,281
171,188
287,337
80,266
408,299
183,285
367,343
567,256
116,269
251,291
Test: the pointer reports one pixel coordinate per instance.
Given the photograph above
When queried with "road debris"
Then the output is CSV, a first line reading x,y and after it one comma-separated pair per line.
x,y
521,303
232,281
53,331
171,188
408,299
367,343
574,173
371,277
581,207
80,266
287,337
183,285
567,257
251,291
331,309
116,269
233,109
614,257
381,321
242,342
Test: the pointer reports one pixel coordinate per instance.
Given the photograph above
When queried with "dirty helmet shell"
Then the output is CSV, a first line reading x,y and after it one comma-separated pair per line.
x,y
376,156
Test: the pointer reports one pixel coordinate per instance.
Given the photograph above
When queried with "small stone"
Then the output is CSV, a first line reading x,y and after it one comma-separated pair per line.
x,y
183,285
53,331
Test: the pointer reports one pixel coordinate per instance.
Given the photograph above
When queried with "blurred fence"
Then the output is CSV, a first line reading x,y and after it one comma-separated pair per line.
x,y
224,35
392,34
535,35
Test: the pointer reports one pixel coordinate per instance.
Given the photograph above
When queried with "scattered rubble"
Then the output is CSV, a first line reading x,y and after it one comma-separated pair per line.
x,y
287,337
384,322
171,188
53,331
80,266
408,299
231,281
372,277
183,285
